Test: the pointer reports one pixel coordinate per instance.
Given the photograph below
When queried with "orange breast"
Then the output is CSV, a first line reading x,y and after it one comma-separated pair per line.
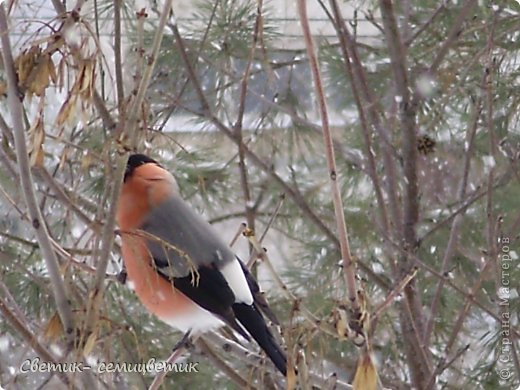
x,y
156,293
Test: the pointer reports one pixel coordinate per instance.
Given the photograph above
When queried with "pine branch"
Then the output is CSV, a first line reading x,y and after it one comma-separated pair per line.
x,y
454,231
293,193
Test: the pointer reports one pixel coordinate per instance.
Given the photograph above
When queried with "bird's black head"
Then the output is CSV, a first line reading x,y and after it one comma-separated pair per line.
x,y
136,160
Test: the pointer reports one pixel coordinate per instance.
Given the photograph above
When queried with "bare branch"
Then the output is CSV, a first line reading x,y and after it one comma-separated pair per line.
x,y
418,357
134,109
349,266
407,116
38,223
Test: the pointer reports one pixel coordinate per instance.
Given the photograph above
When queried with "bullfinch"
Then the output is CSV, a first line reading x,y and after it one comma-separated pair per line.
x,y
179,267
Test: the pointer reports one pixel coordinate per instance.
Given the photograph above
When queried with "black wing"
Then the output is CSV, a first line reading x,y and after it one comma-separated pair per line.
x,y
211,291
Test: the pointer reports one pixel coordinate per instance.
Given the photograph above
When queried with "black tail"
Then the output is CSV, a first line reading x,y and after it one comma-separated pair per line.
x,y
253,321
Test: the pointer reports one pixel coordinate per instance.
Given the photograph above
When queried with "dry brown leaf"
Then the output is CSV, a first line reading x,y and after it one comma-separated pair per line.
x,y
67,110
52,70
290,379
91,343
35,71
54,328
61,73
63,158
366,377
24,64
339,316
37,138
86,79
38,81
85,75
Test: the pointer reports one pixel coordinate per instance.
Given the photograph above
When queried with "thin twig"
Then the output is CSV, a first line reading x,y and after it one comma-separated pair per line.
x,y
11,301
178,350
452,35
217,361
457,327
239,232
249,210
134,109
425,25
395,292
117,59
367,134
254,253
443,364
349,266
273,216
476,196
